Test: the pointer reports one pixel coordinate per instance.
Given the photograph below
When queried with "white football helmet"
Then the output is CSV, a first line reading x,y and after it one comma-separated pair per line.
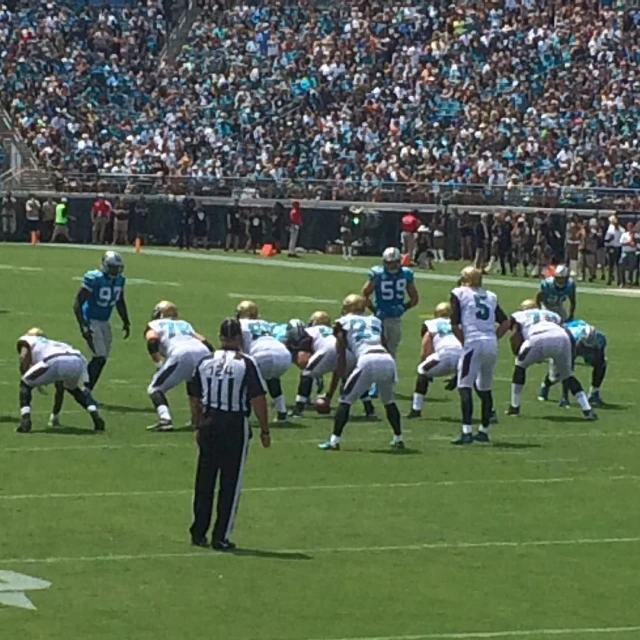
x,y
112,264
561,275
589,337
391,259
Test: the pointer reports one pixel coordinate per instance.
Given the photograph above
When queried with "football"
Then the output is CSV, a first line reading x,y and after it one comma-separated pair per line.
x,y
323,406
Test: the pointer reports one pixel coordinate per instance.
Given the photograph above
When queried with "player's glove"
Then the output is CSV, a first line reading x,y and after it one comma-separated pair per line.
x,y
126,328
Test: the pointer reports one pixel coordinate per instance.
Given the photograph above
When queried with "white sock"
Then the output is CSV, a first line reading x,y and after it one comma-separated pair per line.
x,y
573,267
301,399
92,409
418,400
483,429
54,416
334,440
280,404
466,429
25,411
440,255
594,390
163,412
516,392
581,399
397,438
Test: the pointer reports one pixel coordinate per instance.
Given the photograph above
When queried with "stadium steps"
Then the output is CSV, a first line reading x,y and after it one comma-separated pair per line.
x,y
186,16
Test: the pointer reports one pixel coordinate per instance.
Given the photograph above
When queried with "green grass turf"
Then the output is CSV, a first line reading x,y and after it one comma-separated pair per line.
x,y
537,531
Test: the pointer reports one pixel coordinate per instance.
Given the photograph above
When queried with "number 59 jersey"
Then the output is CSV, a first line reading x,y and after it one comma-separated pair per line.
x,y
176,336
105,293
363,333
475,311
390,290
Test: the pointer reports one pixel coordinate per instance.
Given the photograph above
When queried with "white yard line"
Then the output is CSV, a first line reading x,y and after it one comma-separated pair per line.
x,y
336,268
515,633
274,297
329,487
420,546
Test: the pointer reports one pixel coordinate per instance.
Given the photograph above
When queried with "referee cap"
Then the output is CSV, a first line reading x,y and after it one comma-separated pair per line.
x,y
230,329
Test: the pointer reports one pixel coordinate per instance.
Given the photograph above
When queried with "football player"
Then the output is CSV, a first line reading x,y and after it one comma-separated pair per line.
x,y
555,290
101,291
590,344
314,351
537,336
390,284
362,335
43,362
272,357
475,312
279,331
176,349
441,351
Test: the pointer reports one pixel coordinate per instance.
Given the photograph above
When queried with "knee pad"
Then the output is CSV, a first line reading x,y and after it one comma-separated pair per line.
x,y
422,384
158,398
519,375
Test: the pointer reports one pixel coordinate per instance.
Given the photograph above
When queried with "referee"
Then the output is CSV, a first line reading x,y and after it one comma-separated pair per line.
x,y
229,385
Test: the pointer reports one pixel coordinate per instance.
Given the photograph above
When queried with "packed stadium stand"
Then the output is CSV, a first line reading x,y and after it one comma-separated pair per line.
x,y
501,93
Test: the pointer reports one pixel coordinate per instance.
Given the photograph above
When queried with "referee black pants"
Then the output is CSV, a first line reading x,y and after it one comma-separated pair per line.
x,y
223,442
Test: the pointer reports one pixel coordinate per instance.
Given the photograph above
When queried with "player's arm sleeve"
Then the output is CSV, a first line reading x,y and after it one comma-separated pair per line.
x,y
500,315
456,315
121,307
256,385
82,296
423,330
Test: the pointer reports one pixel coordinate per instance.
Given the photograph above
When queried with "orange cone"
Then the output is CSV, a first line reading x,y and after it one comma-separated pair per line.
x,y
138,245
405,261
34,237
268,251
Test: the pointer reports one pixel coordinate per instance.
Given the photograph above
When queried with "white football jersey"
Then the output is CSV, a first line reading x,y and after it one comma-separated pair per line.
x,y
441,334
257,336
533,322
322,337
42,348
477,313
364,333
174,336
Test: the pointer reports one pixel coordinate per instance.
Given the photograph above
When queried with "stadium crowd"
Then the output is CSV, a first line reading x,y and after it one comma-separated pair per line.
x,y
506,93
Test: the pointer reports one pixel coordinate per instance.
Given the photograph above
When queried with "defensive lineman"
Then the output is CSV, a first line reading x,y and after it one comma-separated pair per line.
x,y
390,284
474,315
176,349
537,336
363,336
555,291
271,356
43,362
101,291
441,351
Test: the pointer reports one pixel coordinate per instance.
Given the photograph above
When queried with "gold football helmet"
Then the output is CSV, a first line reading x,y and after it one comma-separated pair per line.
x,y
471,277
442,310
35,331
354,303
247,309
165,309
319,318
525,305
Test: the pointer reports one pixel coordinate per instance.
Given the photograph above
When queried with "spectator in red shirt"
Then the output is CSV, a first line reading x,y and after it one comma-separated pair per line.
x,y
100,215
410,224
295,224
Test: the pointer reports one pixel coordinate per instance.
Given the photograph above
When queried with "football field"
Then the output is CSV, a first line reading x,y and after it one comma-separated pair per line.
x,y
536,535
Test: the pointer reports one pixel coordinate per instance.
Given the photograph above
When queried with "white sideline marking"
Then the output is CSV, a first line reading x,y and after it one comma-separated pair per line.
x,y
315,266
320,487
420,546
516,633
11,267
543,460
281,298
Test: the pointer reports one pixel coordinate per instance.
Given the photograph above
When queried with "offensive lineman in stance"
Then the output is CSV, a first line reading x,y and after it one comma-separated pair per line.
x,y
555,291
43,362
474,315
176,350
537,336
363,336
441,352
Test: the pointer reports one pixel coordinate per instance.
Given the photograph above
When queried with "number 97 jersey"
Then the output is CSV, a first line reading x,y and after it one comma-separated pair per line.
x,y
363,333
105,293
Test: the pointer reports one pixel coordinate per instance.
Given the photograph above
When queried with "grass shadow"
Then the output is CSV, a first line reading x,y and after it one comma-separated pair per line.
x,y
271,555
515,445
397,452
611,406
563,419
68,431
9,419
118,408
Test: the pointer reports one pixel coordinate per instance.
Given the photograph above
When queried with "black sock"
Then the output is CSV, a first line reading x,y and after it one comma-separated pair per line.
x,y
25,395
466,404
341,418
393,416
95,370
80,396
368,406
486,398
422,384
275,388
305,387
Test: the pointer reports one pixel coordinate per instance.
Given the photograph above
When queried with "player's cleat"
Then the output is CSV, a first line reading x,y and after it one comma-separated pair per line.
x,y
564,403
161,425
54,421
296,413
595,400
397,445
493,418
25,424
513,411
414,413
282,417
223,545
370,416
543,394
465,438
327,446
589,415
481,436
189,425
98,421
199,542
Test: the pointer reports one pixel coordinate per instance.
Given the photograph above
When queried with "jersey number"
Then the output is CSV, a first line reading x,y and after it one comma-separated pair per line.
x,y
108,296
393,289
482,310
444,328
363,331
259,329
177,328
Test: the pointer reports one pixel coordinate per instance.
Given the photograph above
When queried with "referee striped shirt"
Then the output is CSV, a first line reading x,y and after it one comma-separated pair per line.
x,y
227,380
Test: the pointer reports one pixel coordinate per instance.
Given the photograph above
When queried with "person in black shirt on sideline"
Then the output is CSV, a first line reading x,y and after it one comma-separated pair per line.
x,y
229,385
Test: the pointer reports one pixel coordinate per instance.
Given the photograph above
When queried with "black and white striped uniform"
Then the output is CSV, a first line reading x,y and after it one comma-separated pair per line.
x,y
226,381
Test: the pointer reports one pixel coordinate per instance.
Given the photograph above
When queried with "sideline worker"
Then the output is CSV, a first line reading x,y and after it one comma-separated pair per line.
x,y
229,385
61,223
